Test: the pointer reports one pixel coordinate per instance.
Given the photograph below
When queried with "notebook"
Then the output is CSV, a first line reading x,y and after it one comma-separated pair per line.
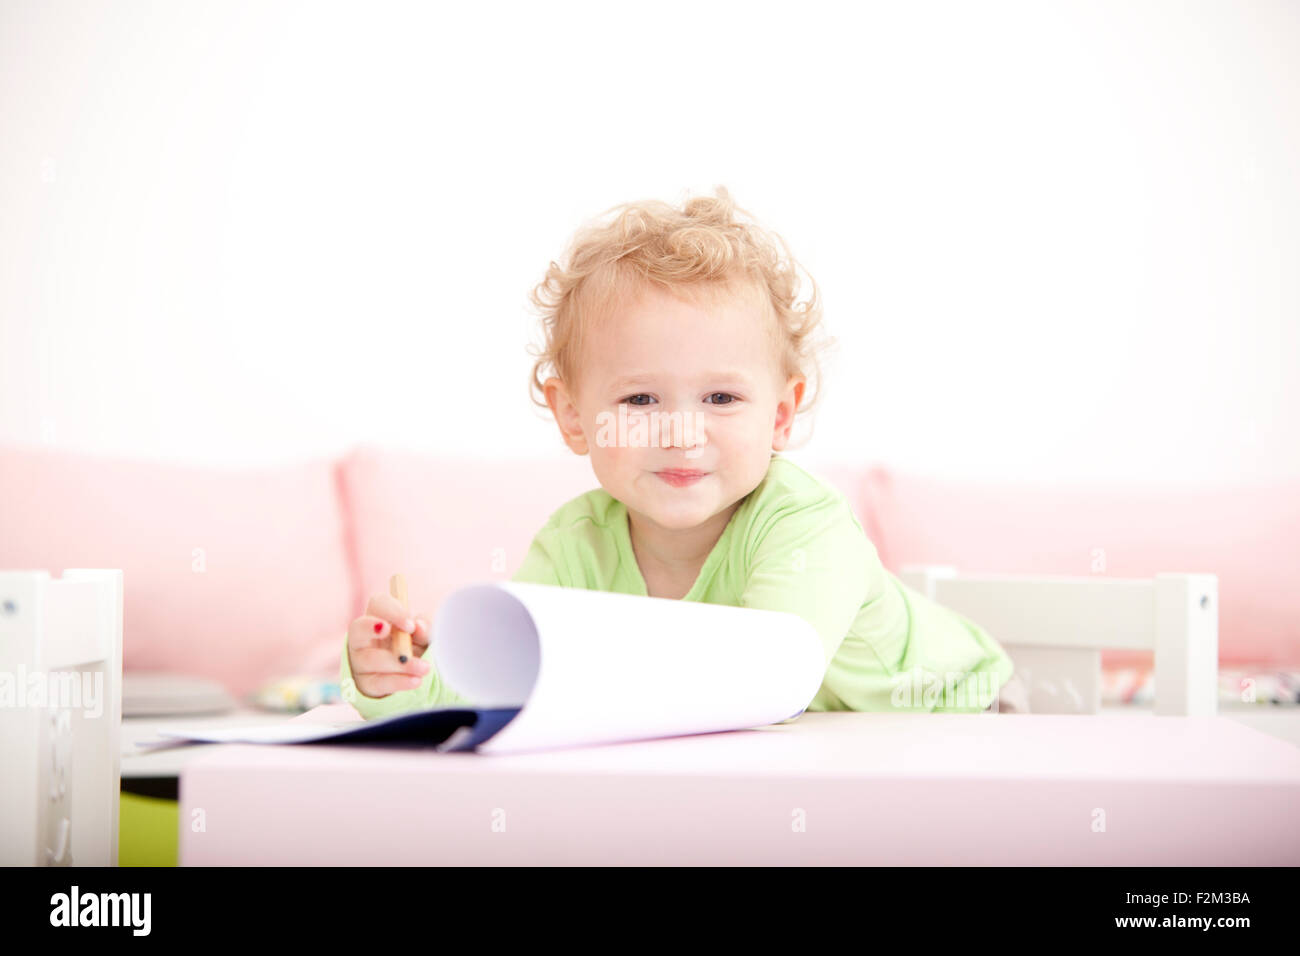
x,y
550,667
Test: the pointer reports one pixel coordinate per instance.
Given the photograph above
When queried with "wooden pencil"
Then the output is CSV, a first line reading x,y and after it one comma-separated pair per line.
x,y
401,639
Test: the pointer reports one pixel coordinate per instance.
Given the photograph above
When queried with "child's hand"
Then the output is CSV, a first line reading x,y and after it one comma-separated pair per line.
x,y
376,671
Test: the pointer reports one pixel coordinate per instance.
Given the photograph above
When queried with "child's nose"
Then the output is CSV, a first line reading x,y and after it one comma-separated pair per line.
x,y
684,429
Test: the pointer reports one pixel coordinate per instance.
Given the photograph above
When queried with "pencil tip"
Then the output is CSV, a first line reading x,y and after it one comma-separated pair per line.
x,y
402,658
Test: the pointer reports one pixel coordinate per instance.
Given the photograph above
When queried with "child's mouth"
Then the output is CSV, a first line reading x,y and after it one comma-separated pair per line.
x,y
679,478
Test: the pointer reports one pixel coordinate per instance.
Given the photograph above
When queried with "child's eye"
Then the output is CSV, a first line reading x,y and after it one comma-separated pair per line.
x,y
729,399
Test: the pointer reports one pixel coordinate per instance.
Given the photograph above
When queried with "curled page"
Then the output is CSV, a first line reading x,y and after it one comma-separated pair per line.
x,y
544,667
588,667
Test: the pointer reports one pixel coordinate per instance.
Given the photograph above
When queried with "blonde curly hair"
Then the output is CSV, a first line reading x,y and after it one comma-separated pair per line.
x,y
699,252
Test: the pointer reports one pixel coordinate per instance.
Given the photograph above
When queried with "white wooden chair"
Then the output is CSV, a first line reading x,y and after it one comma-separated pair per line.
x,y
1054,629
61,687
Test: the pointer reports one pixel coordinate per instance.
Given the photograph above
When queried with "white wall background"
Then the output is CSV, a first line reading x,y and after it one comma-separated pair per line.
x,y
1052,239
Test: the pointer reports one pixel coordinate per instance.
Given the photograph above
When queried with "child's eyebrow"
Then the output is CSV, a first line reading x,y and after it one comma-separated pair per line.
x,y
639,377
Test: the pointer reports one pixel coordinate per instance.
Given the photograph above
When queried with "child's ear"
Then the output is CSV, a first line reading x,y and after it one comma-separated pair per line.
x,y
785,410
566,415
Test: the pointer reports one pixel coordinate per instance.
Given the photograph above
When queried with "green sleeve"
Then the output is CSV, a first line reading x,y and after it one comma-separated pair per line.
x,y
810,557
955,647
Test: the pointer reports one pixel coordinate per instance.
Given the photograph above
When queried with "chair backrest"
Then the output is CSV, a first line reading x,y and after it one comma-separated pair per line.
x,y
61,687
1054,628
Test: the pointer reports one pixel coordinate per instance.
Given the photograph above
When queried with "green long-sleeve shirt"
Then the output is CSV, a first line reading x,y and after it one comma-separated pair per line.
x,y
794,544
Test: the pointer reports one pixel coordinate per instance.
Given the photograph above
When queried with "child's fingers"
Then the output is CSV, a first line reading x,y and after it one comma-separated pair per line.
x,y
381,685
367,631
420,636
387,608
381,661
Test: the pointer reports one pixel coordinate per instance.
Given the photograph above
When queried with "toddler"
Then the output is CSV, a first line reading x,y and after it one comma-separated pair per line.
x,y
679,362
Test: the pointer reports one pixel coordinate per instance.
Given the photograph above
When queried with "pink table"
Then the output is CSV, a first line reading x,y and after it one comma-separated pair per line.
x,y
842,788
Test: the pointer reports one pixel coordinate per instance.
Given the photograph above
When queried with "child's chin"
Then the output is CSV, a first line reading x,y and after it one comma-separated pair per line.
x,y
681,518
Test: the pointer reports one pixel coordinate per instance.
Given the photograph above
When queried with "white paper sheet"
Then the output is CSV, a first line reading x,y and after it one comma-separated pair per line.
x,y
597,667
566,667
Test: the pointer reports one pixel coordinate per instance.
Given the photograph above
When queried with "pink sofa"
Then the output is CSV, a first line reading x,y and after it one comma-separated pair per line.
x,y
249,575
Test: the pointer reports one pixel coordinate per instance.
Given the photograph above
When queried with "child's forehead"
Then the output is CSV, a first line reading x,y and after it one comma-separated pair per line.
x,y
684,341
721,314
731,356
645,331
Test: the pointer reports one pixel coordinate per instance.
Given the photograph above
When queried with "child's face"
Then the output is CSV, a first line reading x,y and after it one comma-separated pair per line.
x,y
709,375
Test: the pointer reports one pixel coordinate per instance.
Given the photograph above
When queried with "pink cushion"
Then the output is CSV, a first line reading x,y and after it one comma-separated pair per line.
x,y
1244,533
236,575
445,522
